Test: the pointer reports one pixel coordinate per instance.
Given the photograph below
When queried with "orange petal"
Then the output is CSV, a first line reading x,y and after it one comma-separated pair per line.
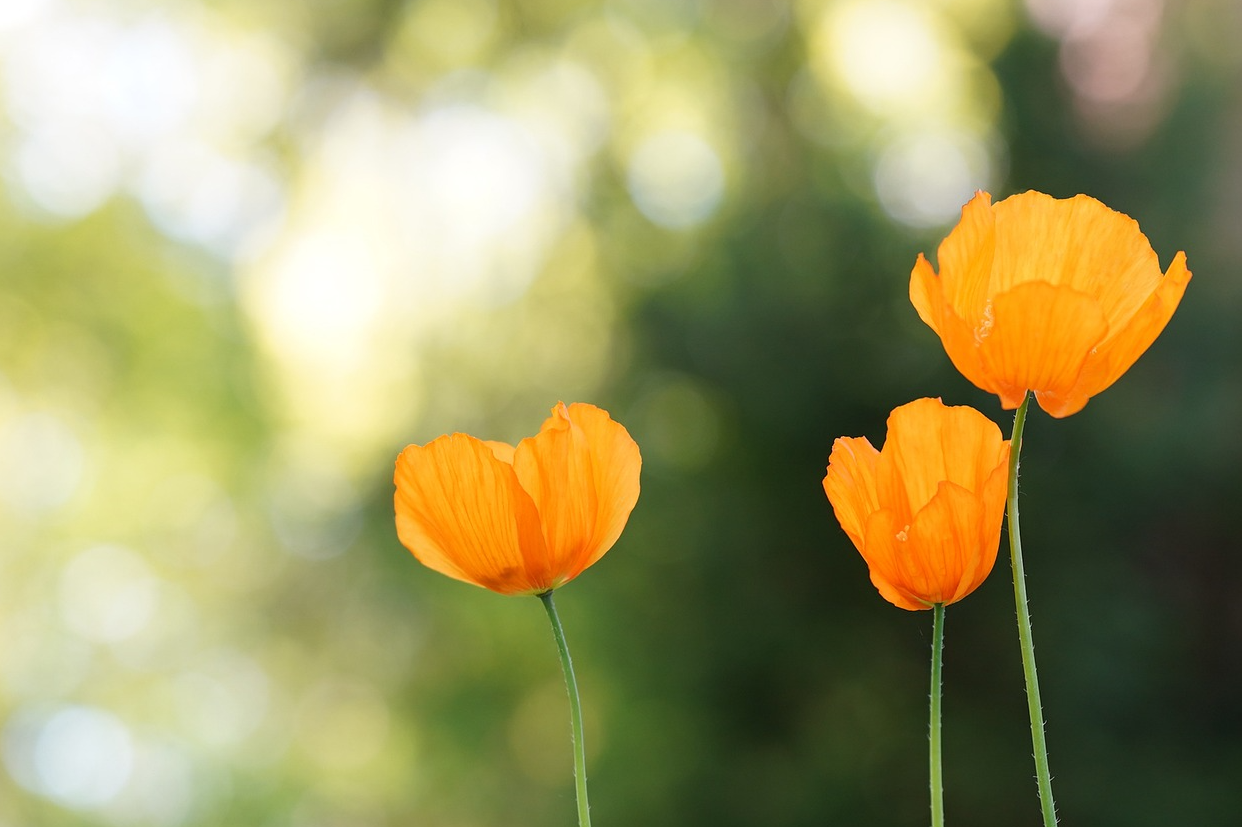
x,y
966,258
582,471
995,488
926,294
929,443
961,342
947,552
956,334
886,555
461,511
502,450
1078,243
1124,346
554,467
1040,339
616,465
850,484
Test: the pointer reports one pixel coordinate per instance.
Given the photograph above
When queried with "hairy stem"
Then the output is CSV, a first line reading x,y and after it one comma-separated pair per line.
x,y
937,782
1026,642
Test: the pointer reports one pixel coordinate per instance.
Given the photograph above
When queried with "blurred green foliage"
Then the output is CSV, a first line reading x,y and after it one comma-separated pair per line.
x,y
248,251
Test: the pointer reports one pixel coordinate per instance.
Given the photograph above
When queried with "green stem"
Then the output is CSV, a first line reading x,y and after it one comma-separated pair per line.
x,y
1026,641
937,782
575,711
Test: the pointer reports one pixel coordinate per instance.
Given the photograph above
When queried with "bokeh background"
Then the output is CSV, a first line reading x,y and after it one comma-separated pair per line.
x,y
249,249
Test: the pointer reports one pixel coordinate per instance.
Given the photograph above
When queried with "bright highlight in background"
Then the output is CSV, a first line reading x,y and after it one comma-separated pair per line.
x,y
888,55
107,594
924,179
43,461
78,756
676,179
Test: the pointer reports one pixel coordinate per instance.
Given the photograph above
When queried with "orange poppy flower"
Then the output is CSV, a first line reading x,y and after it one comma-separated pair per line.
x,y
1059,297
925,510
521,520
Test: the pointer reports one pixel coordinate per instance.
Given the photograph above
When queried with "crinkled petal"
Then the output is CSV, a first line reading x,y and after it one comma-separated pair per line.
x,y
616,465
967,259
949,558
582,470
850,484
893,574
1053,345
925,511
1040,339
961,342
502,450
926,294
555,469
1123,347
461,511
993,498
1078,243
929,443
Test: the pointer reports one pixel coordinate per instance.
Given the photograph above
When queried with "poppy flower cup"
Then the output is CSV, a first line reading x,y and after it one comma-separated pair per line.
x,y
925,510
1058,297
524,519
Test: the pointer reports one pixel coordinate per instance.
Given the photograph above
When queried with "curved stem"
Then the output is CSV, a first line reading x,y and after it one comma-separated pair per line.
x,y
937,782
1026,641
575,711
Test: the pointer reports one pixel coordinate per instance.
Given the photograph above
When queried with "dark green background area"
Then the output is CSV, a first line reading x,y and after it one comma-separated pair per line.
x,y
737,666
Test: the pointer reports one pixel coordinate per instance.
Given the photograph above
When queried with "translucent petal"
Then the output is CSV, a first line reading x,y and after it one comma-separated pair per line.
x,y
1078,243
887,559
929,443
925,293
966,259
616,465
1123,347
925,511
582,470
1042,337
461,511
850,484
555,468
1055,296
948,544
